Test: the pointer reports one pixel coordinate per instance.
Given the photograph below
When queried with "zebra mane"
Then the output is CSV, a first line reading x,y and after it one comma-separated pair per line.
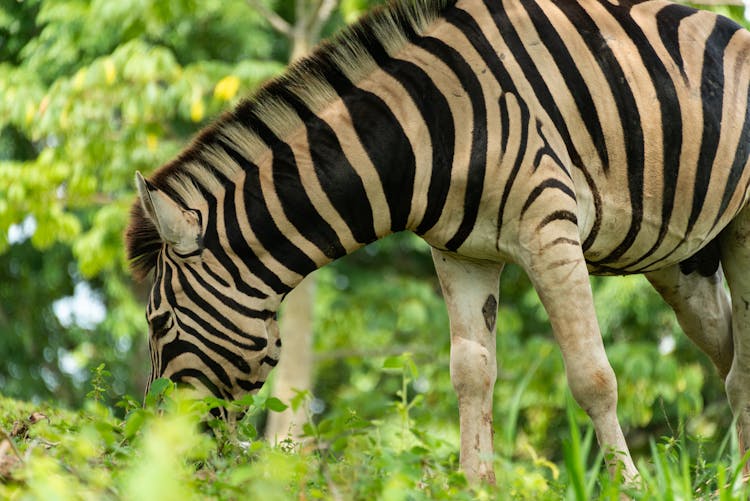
x,y
199,167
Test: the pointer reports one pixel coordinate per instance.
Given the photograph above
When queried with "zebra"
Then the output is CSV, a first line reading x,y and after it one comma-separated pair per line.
x,y
572,137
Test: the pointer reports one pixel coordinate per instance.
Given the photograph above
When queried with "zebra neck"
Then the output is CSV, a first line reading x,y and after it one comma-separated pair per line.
x,y
321,192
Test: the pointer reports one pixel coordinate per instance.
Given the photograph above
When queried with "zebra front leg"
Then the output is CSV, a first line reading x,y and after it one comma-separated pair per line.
x,y
470,290
558,272
703,310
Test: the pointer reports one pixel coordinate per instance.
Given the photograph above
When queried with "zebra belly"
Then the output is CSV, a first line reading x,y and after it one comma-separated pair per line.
x,y
659,245
647,254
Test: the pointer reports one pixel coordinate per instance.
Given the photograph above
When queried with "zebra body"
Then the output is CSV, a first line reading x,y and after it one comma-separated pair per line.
x,y
569,137
597,142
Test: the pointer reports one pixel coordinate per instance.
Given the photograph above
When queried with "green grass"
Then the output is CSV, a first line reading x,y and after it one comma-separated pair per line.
x,y
158,452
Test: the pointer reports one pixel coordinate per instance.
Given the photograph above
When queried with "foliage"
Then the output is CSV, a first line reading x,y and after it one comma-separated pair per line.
x,y
159,452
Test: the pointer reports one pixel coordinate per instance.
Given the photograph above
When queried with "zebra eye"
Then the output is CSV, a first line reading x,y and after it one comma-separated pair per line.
x,y
160,324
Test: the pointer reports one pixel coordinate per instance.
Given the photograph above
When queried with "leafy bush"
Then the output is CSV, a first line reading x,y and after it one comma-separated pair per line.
x,y
166,450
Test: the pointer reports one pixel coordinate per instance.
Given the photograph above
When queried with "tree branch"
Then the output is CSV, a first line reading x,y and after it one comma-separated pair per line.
x,y
300,15
323,13
276,21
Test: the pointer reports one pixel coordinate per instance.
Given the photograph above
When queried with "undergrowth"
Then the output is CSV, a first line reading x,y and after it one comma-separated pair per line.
x,y
166,450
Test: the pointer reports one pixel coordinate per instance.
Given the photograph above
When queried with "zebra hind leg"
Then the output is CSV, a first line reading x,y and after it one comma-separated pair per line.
x,y
558,272
735,259
470,290
703,310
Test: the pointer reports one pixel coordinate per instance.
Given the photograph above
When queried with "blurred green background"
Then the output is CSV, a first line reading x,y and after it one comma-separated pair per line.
x,y
91,91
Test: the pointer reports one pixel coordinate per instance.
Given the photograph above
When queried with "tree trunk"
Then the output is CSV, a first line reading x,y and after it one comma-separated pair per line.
x,y
294,372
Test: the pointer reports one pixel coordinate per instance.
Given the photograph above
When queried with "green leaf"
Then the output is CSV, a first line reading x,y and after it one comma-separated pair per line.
x,y
134,423
159,389
247,400
247,430
299,398
393,363
275,405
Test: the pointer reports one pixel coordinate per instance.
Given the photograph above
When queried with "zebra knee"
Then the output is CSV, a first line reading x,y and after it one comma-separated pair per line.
x,y
473,369
594,387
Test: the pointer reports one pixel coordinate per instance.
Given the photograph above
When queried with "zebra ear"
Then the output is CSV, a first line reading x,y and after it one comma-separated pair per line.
x,y
178,227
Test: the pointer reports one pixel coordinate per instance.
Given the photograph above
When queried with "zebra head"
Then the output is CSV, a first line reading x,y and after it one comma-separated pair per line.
x,y
209,330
